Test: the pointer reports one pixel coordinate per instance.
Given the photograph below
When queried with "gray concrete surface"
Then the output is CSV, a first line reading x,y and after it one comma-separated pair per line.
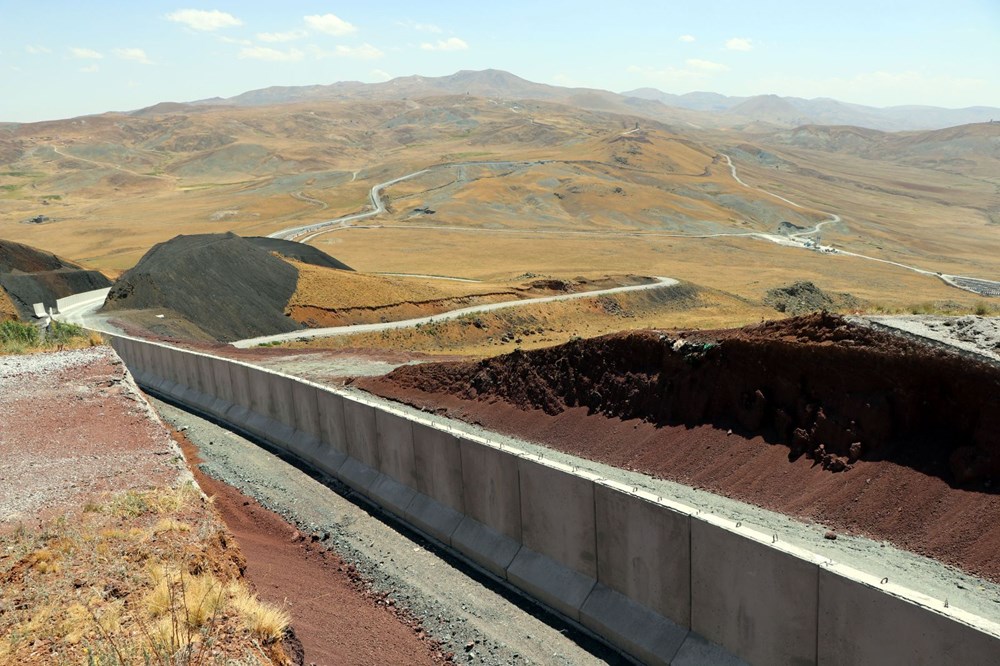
x,y
758,602
642,553
750,591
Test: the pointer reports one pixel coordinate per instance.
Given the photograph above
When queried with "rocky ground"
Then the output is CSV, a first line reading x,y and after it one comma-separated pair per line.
x,y
970,333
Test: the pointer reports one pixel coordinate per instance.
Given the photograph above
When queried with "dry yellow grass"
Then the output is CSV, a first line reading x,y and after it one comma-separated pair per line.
x,y
7,309
332,289
265,621
542,325
134,578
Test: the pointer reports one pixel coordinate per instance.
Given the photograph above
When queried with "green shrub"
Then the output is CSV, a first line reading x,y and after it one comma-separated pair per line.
x,y
61,333
15,333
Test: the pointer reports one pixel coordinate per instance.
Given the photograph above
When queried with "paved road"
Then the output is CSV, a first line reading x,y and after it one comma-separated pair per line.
x,y
445,316
308,231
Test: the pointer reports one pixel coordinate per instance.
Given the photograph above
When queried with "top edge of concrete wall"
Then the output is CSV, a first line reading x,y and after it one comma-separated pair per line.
x,y
769,540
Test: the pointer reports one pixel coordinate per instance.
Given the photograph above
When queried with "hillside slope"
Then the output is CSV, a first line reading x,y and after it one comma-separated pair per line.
x,y
226,285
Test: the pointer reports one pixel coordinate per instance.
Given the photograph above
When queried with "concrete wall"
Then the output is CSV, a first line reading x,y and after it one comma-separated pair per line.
x,y
81,298
655,578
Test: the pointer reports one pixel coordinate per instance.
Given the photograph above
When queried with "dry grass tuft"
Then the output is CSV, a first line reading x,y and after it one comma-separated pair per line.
x,y
133,578
265,621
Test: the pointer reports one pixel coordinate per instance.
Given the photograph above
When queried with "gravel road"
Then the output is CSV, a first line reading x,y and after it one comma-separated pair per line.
x,y
976,335
471,615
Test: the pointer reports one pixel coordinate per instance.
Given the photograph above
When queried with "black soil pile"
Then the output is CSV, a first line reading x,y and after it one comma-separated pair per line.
x,y
307,254
20,258
805,297
224,284
820,386
30,276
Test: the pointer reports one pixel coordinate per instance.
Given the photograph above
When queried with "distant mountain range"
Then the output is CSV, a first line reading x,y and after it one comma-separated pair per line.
x,y
796,111
697,108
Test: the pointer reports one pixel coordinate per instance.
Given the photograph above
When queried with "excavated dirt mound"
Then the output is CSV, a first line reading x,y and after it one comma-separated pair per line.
x,y
29,275
803,297
224,284
766,414
48,286
307,254
20,258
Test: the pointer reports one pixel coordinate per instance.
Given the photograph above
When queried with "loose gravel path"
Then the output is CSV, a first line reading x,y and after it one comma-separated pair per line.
x,y
470,614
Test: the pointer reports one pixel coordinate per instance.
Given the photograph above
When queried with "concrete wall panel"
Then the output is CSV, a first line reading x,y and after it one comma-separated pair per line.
x,y
395,446
551,582
432,517
390,494
145,371
262,396
862,624
168,362
306,409
756,601
282,400
485,546
360,432
557,515
437,459
648,636
491,489
644,552
239,377
333,429
206,377
180,362
357,475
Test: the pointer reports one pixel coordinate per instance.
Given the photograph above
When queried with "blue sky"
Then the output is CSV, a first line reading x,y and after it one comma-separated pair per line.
x,y
61,59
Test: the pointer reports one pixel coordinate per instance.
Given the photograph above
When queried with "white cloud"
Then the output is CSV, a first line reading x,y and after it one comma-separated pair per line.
x,y
90,69
289,36
686,38
200,19
706,65
137,55
381,75
450,44
85,54
330,24
363,52
35,49
739,44
269,54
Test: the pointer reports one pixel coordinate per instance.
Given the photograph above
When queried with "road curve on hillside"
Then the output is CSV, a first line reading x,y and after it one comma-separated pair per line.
x,y
310,333
376,203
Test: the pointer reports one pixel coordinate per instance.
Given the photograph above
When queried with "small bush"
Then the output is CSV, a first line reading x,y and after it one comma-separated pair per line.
x,y
15,333
60,333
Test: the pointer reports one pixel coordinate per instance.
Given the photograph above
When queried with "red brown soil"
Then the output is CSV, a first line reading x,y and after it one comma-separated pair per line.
x,y
334,616
812,417
57,450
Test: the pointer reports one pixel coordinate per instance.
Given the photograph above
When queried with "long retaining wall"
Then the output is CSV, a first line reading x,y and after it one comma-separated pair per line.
x,y
657,579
